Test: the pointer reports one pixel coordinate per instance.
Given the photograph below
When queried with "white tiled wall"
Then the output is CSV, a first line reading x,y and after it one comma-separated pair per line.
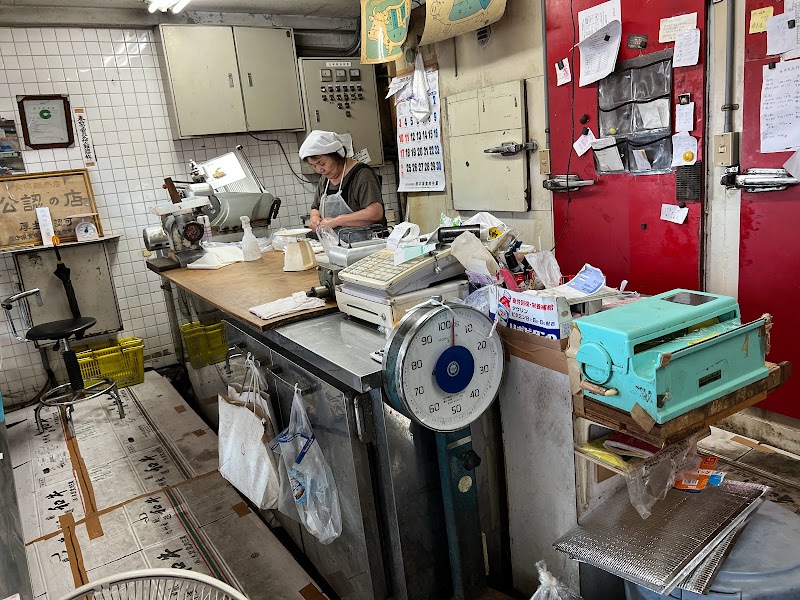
x,y
115,74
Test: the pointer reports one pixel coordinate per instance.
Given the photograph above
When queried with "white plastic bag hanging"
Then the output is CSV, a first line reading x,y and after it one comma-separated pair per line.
x,y
420,102
245,428
313,488
551,588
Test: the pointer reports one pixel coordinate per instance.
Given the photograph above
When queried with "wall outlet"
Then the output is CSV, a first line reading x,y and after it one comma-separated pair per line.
x,y
726,149
544,161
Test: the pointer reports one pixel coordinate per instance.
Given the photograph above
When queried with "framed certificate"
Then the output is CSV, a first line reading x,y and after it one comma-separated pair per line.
x,y
46,121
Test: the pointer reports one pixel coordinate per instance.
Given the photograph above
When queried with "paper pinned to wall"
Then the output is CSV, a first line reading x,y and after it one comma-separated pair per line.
x,y
684,149
684,117
563,74
674,213
780,107
583,143
384,28
599,53
687,48
780,36
792,165
758,19
670,27
595,18
606,152
789,7
445,19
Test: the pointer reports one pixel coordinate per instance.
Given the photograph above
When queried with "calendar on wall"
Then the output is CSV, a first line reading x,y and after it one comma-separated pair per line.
x,y
420,144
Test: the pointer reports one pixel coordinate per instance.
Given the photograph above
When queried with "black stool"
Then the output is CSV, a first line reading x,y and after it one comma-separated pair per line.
x,y
61,332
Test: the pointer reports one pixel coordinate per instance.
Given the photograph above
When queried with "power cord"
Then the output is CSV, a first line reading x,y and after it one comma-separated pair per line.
x,y
572,136
285,156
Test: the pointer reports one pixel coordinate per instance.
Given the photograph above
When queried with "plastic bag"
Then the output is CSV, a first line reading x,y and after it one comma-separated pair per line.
x,y
328,237
650,481
551,588
546,268
313,488
245,428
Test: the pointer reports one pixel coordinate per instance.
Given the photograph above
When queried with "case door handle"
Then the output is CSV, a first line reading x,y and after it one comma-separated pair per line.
x,y
230,79
250,79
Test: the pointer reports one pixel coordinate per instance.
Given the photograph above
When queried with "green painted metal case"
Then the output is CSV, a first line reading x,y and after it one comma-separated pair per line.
x,y
671,353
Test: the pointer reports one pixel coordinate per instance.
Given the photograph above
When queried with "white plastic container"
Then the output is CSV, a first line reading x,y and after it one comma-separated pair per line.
x,y
250,247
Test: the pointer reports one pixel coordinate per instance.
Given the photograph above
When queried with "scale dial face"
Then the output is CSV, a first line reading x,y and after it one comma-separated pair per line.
x,y
447,369
86,231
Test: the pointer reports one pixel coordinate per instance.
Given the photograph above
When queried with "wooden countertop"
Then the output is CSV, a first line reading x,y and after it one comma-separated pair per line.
x,y
236,288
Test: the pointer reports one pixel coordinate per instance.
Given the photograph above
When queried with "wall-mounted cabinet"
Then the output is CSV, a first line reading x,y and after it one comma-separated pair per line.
x,y
230,79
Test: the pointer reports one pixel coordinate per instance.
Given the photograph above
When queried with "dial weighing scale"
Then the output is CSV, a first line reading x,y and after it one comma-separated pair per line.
x,y
443,365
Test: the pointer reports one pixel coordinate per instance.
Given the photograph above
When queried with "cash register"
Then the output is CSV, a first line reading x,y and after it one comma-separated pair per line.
x,y
670,353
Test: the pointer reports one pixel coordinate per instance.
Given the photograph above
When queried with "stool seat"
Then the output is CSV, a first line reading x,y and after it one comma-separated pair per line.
x,y
60,330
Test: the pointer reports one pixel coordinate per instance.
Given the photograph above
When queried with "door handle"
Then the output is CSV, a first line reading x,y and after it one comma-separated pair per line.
x,y
316,114
513,148
230,79
758,180
250,79
565,183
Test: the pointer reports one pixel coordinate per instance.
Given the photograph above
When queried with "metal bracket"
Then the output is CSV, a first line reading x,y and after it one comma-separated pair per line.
x,y
758,180
729,107
365,423
513,148
563,183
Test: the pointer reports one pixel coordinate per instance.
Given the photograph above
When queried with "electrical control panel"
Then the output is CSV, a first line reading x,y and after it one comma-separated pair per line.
x,y
341,95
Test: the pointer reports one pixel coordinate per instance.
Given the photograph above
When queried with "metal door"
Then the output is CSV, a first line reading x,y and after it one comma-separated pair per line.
x,y
615,223
769,253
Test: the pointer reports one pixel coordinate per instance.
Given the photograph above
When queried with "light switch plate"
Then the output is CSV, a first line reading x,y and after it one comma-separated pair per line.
x,y
726,149
544,161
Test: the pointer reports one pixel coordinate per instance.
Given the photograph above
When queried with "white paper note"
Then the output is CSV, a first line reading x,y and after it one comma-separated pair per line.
x,y
45,225
682,144
780,107
223,170
362,156
595,18
674,25
563,74
583,143
758,19
640,157
651,117
796,8
792,165
607,154
687,48
780,37
684,117
674,213
599,53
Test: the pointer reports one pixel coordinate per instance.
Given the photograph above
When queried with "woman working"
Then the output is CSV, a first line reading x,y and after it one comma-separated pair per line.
x,y
348,193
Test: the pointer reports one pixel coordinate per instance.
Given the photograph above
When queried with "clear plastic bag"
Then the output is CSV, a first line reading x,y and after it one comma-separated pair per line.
x,y
313,487
546,268
327,237
551,588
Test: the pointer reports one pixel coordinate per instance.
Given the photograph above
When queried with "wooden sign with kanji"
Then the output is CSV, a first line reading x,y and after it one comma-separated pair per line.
x,y
65,193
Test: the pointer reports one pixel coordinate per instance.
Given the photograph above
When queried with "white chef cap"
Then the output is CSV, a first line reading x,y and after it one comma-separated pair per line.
x,y
322,142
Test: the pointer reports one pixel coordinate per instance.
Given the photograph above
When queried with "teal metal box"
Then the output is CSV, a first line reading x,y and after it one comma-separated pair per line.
x,y
670,353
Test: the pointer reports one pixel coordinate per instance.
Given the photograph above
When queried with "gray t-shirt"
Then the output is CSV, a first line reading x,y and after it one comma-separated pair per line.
x,y
361,188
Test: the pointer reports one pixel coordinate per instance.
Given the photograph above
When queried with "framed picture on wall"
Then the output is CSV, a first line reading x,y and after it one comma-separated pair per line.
x,y
46,121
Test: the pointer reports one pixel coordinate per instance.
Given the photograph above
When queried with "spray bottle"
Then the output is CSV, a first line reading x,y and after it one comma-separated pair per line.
x,y
249,242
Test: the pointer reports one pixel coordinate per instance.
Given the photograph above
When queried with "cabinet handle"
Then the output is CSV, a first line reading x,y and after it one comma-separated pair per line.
x,y
230,79
250,79
316,114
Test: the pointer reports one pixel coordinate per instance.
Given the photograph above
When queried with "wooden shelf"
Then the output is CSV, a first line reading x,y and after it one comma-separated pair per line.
x,y
689,423
41,248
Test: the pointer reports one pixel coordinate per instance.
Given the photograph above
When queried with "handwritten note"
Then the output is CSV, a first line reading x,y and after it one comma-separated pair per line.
x,y
789,7
687,48
758,19
606,152
563,74
780,37
684,117
595,18
684,149
780,107
674,213
792,165
671,27
599,53
583,143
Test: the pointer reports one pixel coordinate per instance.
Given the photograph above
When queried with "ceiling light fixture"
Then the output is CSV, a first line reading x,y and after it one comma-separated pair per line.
x,y
175,6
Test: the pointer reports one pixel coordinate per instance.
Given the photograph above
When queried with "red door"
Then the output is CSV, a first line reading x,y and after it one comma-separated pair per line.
x,y
769,250
615,223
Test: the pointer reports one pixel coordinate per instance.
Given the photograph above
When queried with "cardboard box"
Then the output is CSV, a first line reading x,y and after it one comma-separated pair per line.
x,y
548,353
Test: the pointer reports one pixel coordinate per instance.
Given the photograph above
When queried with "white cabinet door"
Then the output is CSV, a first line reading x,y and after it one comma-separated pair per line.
x,y
268,71
204,79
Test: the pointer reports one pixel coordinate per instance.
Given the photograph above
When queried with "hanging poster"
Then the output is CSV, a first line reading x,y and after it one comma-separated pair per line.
x,y
84,137
46,121
420,144
445,19
384,27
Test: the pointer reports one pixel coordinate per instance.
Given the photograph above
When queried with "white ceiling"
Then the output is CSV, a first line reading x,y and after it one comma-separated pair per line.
x,y
317,8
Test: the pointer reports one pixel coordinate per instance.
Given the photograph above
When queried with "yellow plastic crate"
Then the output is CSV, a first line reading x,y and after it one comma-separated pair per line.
x,y
121,360
205,344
